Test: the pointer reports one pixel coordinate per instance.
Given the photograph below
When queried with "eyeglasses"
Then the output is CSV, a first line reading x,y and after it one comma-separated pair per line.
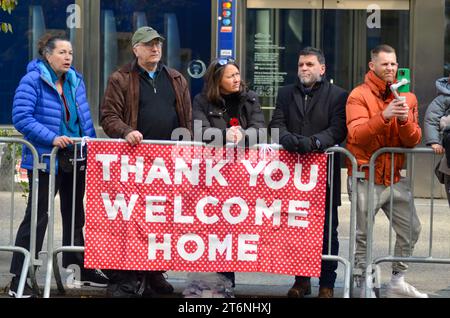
x,y
153,43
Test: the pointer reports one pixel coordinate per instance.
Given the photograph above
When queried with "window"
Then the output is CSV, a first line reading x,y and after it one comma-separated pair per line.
x,y
30,20
275,37
186,26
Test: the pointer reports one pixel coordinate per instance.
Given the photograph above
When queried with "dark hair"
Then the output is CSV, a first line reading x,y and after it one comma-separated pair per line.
x,y
381,48
47,43
313,51
213,76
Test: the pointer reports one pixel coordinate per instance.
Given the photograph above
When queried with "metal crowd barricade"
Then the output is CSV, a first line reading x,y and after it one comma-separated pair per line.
x,y
52,260
373,270
347,263
30,260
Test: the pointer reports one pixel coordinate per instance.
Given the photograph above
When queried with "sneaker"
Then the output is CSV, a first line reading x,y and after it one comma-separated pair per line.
x,y
27,290
300,289
91,277
402,289
158,283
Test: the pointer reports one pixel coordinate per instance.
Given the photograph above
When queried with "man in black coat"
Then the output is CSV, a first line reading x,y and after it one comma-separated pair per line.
x,y
310,116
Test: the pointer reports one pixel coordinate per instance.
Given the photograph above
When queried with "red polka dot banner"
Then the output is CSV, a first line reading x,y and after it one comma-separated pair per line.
x,y
204,209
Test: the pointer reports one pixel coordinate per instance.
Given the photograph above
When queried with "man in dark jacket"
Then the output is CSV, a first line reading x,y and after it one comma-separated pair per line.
x,y
310,116
144,100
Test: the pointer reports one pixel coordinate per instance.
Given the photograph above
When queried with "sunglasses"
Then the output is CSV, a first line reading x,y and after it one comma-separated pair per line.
x,y
224,61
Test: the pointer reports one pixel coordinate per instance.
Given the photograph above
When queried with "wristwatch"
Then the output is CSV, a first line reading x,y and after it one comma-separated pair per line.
x,y
317,143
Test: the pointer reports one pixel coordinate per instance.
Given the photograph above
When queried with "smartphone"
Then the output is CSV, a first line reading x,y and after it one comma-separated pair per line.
x,y
401,74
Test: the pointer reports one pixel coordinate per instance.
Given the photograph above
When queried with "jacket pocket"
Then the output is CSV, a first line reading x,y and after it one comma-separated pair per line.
x,y
216,119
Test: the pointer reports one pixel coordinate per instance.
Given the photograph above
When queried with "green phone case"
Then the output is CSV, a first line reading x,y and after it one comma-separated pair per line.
x,y
403,73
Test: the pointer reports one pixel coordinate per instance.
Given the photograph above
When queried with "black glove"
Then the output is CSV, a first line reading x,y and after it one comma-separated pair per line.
x,y
305,145
289,142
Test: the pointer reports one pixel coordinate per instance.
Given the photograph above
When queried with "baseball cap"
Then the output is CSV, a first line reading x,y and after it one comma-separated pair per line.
x,y
145,34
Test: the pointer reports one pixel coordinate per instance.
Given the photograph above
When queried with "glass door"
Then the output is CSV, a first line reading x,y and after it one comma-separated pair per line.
x,y
273,38
345,30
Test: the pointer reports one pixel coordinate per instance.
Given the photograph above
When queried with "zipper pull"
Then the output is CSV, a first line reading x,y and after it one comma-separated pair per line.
x,y
154,89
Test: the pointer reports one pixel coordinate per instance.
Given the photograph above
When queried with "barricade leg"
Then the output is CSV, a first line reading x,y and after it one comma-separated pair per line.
x,y
347,262
377,281
347,272
30,261
368,291
23,274
66,196
57,274
51,223
25,266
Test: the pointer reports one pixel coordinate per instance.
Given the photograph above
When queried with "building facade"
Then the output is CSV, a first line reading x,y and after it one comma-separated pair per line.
x,y
263,35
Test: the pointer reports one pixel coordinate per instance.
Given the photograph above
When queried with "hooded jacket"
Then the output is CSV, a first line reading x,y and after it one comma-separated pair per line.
x,y
437,109
37,110
368,131
437,120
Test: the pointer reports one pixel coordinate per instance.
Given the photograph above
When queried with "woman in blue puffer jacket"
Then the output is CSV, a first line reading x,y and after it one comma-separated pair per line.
x,y
50,106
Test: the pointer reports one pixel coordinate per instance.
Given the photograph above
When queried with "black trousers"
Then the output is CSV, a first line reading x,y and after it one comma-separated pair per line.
x,y
63,185
328,268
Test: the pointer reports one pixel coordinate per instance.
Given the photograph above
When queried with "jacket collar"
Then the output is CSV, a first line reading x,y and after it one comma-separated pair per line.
x,y
299,94
379,87
72,77
243,95
141,70
308,90
134,66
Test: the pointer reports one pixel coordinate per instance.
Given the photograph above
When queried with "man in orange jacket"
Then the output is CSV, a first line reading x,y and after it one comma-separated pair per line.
x,y
375,119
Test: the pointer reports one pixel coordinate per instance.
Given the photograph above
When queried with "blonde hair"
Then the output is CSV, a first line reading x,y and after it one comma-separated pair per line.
x,y
381,48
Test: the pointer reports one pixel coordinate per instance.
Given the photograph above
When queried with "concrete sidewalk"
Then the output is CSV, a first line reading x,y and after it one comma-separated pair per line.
x,y
433,279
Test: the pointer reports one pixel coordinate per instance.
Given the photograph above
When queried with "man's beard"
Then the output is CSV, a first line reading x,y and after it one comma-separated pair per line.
x,y
310,80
